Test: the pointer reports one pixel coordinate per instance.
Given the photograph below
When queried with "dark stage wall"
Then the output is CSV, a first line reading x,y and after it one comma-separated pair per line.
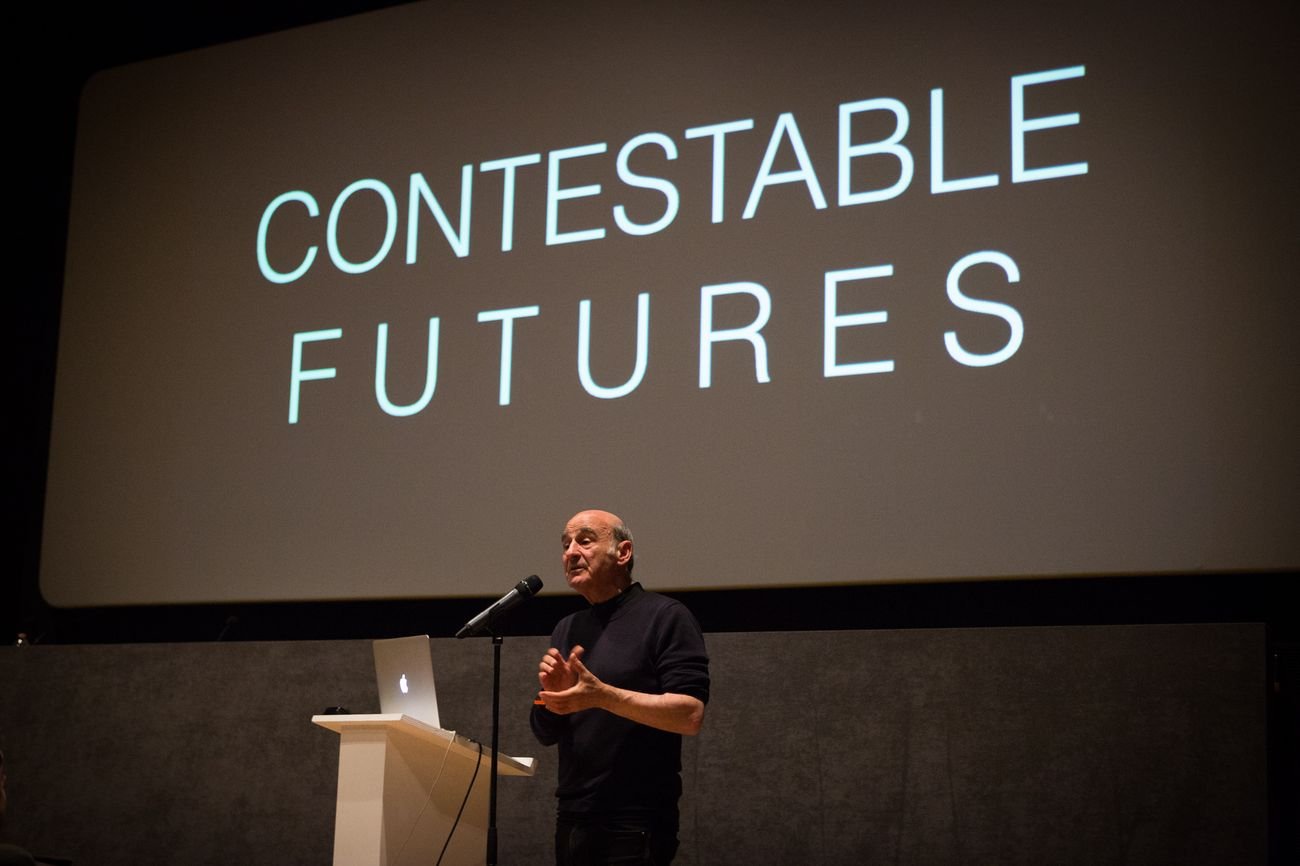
x,y
1061,745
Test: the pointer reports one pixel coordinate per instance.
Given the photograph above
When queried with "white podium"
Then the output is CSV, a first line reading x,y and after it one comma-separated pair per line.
x,y
401,785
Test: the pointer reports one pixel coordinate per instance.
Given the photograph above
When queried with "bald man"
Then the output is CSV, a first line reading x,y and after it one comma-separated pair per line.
x,y
624,679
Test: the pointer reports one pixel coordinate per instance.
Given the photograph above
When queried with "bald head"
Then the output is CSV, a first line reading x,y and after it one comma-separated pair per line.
x,y
597,554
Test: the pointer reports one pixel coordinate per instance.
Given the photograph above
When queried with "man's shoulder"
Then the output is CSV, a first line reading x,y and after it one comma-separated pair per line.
x,y
659,601
658,607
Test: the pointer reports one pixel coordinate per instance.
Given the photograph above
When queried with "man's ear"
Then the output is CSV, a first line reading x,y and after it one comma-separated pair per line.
x,y
624,549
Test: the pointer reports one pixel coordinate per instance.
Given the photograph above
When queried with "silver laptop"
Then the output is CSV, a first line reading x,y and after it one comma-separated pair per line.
x,y
404,672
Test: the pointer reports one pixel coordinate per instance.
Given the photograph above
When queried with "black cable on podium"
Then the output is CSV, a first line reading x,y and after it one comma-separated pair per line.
x,y
483,625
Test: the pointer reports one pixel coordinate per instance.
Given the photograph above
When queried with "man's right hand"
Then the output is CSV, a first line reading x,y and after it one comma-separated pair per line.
x,y
554,672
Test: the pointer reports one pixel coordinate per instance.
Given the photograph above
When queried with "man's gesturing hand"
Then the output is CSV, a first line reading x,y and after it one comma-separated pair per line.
x,y
567,685
553,672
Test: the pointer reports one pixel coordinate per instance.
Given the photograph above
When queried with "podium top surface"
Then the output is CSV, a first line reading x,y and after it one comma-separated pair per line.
x,y
353,724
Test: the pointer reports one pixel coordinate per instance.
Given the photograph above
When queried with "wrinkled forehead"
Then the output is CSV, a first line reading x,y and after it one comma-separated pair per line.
x,y
595,523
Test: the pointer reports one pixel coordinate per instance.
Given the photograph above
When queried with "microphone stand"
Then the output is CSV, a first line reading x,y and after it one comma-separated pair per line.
x,y
496,728
484,623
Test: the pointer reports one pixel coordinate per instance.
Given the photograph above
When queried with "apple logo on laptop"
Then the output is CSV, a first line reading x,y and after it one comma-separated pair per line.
x,y
402,684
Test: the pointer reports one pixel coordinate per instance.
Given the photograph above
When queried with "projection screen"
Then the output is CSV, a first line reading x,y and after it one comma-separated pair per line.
x,y
808,293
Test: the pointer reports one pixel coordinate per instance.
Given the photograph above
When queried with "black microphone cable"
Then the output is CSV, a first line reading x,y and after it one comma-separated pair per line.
x,y
461,811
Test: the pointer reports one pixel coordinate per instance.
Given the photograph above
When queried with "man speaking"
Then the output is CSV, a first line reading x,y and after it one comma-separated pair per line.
x,y
624,679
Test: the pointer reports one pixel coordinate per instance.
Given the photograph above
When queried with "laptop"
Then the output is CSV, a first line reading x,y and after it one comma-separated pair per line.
x,y
404,672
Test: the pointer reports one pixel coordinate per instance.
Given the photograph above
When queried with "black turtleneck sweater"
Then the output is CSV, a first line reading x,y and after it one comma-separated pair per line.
x,y
640,641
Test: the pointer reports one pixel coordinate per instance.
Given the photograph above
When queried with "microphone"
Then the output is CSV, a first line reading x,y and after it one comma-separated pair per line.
x,y
523,590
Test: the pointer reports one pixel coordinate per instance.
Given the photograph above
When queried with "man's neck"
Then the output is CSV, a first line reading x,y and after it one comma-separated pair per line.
x,y
608,593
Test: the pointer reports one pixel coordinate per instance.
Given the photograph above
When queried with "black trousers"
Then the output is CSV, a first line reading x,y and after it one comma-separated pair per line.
x,y
621,839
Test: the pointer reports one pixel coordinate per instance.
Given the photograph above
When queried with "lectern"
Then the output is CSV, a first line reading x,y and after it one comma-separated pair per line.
x,y
402,784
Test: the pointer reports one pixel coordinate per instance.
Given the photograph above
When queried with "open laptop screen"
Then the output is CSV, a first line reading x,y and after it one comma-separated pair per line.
x,y
404,673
